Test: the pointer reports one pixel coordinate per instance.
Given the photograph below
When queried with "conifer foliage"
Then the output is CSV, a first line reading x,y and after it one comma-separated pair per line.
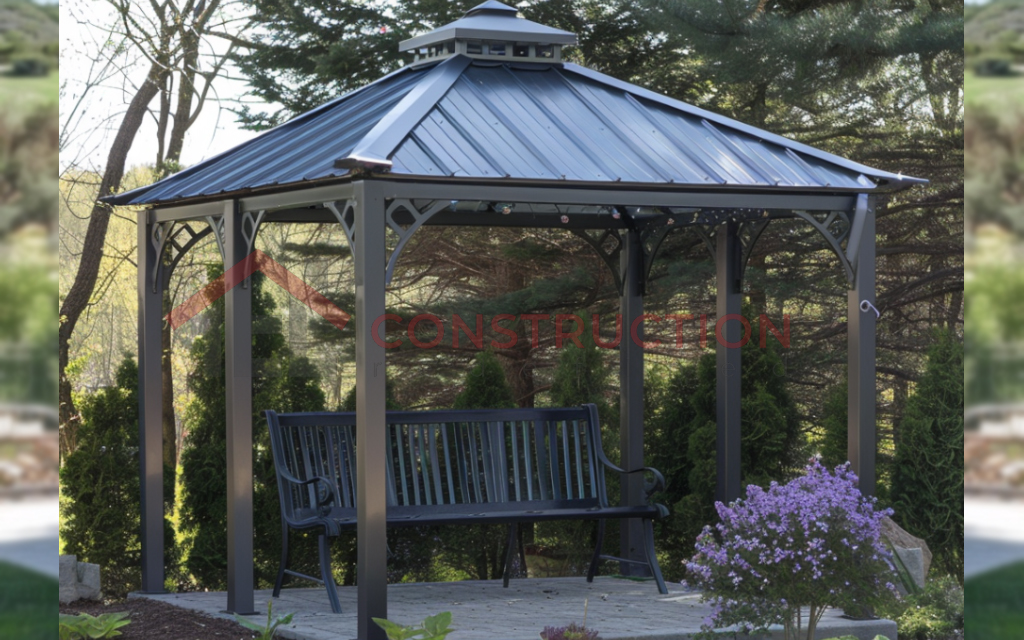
x,y
100,518
683,439
282,382
928,473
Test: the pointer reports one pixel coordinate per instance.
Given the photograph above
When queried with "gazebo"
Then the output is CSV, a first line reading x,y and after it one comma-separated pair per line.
x,y
488,126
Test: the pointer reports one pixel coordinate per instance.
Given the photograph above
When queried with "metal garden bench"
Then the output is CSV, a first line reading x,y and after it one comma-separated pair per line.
x,y
445,467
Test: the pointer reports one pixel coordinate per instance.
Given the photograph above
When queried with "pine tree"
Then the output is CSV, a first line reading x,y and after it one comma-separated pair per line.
x,y
281,382
100,520
928,473
311,51
486,387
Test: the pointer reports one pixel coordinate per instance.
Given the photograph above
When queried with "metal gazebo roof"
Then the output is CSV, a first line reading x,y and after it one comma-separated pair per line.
x,y
471,118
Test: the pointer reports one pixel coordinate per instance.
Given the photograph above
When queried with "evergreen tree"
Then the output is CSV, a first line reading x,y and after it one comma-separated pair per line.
x,y
928,472
281,382
771,443
100,520
834,449
486,387
311,51
479,550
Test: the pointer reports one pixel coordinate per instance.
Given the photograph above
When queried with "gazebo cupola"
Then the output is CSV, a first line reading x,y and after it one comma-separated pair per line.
x,y
491,31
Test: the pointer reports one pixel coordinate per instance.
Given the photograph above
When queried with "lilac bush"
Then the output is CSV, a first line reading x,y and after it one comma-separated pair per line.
x,y
813,542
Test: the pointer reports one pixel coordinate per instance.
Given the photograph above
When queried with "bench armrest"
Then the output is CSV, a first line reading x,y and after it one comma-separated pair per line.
x,y
652,485
331,489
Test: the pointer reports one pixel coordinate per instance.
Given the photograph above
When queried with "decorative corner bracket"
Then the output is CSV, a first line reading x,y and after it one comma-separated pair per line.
x,y
608,245
345,213
836,228
216,226
405,228
179,237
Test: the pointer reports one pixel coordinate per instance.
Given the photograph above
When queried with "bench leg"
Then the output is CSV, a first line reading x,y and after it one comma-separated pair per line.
x,y
597,552
509,552
652,558
284,560
327,575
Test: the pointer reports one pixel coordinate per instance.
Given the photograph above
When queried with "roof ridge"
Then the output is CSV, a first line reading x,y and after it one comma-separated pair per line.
x,y
380,142
741,127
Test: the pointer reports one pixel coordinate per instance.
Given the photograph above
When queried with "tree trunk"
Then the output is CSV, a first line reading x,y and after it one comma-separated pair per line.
x,y
78,297
170,430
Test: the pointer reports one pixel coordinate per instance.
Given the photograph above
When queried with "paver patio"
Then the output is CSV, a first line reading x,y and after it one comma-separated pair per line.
x,y
618,609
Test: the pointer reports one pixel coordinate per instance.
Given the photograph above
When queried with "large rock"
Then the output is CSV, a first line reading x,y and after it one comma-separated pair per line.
x,y
78,580
912,551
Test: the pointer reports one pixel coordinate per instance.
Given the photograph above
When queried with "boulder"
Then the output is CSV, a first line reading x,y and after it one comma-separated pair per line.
x,y
78,580
912,551
68,578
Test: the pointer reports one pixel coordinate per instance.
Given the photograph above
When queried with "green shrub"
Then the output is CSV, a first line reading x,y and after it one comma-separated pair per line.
x,y
772,445
937,613
486,386
281,382
30,67
928,470
100,519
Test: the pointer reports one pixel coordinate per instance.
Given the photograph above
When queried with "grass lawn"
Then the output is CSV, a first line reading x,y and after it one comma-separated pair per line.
x,y
28,604
994,605
20,94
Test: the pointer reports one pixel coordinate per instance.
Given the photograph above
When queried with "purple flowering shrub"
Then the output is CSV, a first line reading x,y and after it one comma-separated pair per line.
x,y
813,543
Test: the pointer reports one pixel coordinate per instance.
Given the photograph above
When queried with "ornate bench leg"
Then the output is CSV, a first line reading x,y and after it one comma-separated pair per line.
x,y
597,552
652,558
509,553
328,575
284,559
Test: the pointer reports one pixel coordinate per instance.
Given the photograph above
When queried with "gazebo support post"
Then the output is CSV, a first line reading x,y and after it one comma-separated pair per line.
x,y
371,480
728,335
151,465
861,321
238,385
631,400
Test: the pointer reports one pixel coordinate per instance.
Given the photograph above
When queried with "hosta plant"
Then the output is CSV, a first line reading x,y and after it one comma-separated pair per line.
x,y
785,554
86,627
433,628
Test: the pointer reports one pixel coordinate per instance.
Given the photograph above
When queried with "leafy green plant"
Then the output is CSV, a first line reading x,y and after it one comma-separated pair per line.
x,y
934,613
268,630
433,628
83,625
855,638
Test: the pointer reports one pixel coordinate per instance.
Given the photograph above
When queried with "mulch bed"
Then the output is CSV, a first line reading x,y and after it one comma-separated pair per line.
x,y
152,620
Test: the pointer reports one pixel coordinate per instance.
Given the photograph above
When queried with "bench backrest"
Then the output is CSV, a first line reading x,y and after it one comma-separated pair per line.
x,y
455,457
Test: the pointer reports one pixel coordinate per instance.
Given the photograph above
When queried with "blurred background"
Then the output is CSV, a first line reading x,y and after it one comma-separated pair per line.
x,y
28,316
994,246
994,319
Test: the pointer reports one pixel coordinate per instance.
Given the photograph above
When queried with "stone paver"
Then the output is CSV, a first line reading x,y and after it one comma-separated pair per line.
x,y
993,533
618,609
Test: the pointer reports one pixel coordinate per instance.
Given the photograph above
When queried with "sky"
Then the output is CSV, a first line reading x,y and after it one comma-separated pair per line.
x,y
213,132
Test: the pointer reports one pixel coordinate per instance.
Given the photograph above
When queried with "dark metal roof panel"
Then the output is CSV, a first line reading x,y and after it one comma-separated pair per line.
x,y
491,121
541,122
301,149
